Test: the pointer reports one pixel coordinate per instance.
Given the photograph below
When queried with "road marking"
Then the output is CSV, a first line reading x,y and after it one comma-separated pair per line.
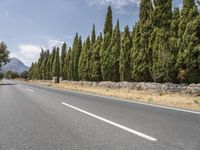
x,y
30,90
113,123
141,103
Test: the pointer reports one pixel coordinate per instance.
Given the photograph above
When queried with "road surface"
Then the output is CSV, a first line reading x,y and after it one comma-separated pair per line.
x,y
42,118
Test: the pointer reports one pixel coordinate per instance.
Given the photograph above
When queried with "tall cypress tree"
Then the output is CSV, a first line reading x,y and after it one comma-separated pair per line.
x,y
191,54
90,52
77,51
52,57
113,57
62,57
96,65
188,16
93,37
56,64
105,49
142,54
108,26
67,65
125,56
83,68
160,41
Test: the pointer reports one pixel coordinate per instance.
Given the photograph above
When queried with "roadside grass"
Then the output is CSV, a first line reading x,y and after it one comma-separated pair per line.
x,y
177,100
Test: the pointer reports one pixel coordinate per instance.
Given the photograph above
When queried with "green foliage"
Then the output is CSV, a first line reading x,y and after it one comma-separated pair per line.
x,y
66,65
24,75
164,46
1,75
56,65
83,68
62,58
141,54
125,56
12,75
95,60
189,58
4,54
108,26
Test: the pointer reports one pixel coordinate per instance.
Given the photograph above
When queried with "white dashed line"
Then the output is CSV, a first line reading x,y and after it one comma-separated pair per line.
x,y
30,90
113,123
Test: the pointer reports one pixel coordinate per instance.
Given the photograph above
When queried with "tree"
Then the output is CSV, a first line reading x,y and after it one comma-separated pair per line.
x,y
4,54
190,56
24,75
56,65
105,51
95,61
52,57
93,38
90,53
108,26
83,62
67,65
189,17
113,57
141,53
125,56
77,51
62,57
160,41
174,47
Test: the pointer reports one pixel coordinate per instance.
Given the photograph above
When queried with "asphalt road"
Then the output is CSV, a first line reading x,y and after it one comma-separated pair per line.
x,y
41,118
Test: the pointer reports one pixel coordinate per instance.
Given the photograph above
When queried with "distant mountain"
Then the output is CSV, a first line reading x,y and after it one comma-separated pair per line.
x,y
14,65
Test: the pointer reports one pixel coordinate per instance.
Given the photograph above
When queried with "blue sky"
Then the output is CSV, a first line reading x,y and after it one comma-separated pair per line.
x,y
27,25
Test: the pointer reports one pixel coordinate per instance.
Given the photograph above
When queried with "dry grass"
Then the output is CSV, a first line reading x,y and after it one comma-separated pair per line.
x,y
175,100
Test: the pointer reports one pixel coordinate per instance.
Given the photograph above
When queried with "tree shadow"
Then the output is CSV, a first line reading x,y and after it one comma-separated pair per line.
x,y
7,84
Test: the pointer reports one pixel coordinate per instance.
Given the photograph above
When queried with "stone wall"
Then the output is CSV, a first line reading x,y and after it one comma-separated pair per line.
x,y
193,89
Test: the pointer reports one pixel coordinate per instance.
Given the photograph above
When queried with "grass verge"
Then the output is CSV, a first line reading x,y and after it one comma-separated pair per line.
x,y
177,100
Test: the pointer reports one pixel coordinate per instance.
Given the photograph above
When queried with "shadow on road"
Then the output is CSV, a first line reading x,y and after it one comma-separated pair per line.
x,y
7,84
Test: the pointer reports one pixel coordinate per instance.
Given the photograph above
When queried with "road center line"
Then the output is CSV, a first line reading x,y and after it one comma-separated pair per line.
x,y
30,90
113,123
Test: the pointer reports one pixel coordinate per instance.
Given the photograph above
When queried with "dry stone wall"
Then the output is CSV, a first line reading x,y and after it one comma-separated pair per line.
x,y
193,89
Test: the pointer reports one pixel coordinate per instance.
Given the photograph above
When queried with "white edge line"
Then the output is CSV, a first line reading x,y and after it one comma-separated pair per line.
x,y
113,123
30,90
135,102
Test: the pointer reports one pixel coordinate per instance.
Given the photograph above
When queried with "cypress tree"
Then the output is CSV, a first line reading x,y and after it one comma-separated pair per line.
x,y
125,56
189,58
113,57
93,38
43,68
77,46
108,26
160,41
67,65
83,67
188,16
62,57
90,52
141,53
48,68
174,48
52,57
39,66
105,49
56,65
96,65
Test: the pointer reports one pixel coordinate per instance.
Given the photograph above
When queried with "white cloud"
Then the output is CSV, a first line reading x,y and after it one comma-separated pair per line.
x,y
52,43
118,4
27,53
